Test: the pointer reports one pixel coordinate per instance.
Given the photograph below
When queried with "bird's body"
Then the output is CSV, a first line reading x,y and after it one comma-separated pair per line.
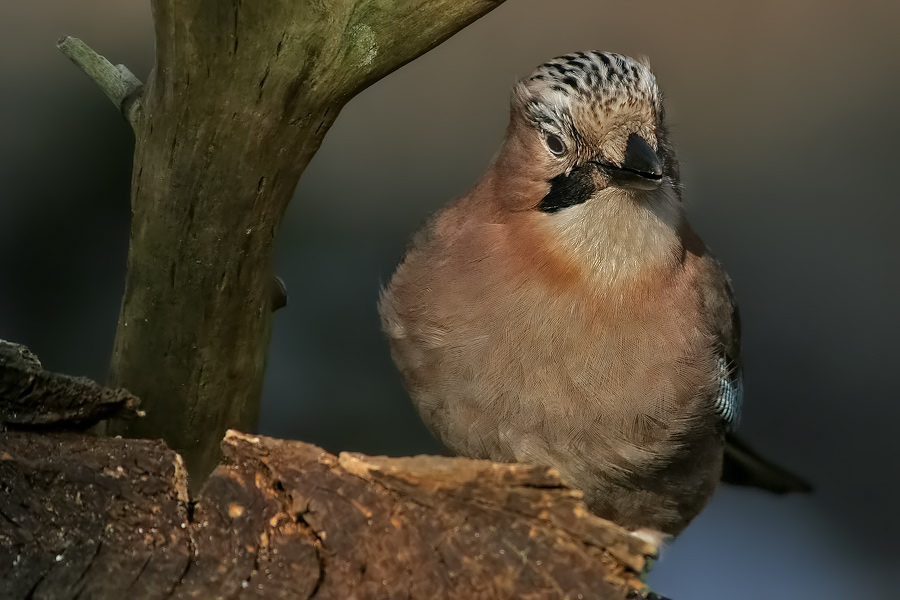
x,y
564,313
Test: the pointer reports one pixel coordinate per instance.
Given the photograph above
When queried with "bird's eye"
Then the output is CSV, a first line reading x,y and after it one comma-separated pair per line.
x,y
555,144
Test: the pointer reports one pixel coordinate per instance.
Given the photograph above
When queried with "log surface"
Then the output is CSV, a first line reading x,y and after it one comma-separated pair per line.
x,y
92,517
32,398
85,517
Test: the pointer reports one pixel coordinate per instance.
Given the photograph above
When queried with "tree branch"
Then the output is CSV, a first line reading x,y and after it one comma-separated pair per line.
x,y
377,40
116,81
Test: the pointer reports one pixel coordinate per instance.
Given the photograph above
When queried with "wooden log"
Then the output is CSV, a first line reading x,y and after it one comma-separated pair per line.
x,y
111,518
31,397
91,517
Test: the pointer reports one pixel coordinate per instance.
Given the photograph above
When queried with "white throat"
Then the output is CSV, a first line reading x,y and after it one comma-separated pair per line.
x,y
617,238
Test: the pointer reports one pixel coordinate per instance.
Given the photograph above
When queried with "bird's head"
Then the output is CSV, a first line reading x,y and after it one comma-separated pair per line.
x,y
592,117
587,148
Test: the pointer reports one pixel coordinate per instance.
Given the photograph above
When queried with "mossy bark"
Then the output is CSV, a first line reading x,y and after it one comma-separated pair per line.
x,y
238,103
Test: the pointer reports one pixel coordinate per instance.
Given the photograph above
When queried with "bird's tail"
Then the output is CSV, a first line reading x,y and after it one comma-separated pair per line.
x,y
744,466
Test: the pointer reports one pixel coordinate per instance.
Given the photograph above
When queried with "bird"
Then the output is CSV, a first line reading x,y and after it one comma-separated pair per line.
x,y
564,313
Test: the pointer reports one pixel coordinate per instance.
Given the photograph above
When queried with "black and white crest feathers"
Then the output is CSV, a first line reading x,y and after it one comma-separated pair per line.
x,y
603,80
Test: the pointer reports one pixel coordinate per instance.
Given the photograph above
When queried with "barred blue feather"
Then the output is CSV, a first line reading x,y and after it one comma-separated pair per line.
x,y
731,392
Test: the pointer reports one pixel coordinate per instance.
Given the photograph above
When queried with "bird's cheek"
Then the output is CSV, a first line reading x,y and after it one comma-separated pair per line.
x,y
577,187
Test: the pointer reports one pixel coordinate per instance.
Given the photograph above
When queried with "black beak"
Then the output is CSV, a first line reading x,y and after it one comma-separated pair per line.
x,y
641,169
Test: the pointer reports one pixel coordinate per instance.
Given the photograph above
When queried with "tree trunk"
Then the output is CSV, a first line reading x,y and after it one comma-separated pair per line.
x,y
239,100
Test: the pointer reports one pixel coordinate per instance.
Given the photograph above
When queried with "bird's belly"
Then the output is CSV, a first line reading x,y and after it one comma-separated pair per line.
x,y
615,402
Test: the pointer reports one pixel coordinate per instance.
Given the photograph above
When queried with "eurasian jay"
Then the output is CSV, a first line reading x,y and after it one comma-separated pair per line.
x,y
564,313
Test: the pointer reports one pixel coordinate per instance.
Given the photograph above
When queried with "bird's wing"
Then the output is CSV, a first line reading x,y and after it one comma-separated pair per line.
x,y
742,465
730,394
719,304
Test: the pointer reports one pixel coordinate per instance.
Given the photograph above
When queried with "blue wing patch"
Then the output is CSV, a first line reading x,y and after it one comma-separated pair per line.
x,y
730,394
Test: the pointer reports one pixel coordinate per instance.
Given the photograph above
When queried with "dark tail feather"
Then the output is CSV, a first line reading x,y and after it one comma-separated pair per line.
x,y
743,466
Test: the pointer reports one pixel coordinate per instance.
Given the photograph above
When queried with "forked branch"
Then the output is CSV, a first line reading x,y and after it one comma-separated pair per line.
x,y
237,104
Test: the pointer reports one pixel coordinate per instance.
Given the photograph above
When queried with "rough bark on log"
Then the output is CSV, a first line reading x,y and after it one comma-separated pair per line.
x,y
90,517
31,397
110,518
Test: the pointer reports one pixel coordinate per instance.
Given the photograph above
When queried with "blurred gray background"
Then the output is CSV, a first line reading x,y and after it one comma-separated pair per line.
x,y
785,115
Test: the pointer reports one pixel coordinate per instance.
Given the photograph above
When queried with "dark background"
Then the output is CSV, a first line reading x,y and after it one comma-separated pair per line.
x,y
786,119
